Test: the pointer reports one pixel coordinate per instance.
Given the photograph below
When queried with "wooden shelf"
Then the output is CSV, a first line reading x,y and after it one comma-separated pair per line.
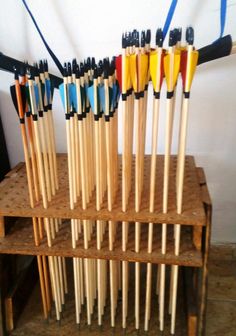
x,y
20,241
14,198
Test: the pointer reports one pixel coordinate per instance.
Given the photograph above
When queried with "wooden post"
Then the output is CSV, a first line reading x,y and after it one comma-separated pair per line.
x,y
206,247
2,227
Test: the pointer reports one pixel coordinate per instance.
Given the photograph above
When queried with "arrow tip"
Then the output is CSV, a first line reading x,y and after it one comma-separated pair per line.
x,y
93,63
65,70
74,65
159,38
190,35
124,45
77,71
172,38
16,77
148,36
81,69
95,72
179,34
143,38
69,69
41,67
45,64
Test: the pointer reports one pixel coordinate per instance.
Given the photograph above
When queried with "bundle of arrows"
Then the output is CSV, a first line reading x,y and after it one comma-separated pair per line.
x,y
95,97
32,97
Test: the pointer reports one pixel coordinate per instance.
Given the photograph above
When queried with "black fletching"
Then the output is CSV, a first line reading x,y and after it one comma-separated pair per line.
x,y
14,97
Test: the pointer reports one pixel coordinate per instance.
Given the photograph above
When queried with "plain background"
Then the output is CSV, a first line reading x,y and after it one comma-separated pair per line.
x,y
93,28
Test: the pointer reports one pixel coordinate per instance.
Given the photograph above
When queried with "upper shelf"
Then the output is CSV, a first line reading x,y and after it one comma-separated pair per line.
x,y
14,198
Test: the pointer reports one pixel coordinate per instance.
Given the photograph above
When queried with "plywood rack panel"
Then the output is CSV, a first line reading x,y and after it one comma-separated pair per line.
x,y
14,198
20,241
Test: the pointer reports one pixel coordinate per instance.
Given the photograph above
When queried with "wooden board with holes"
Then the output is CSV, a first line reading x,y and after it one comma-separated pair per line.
x,y
14,198
20,241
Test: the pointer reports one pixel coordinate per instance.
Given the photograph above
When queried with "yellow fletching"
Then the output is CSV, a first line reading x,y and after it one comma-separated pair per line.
x,y
133,71
126,74
171,69
153,68
143,69
191,69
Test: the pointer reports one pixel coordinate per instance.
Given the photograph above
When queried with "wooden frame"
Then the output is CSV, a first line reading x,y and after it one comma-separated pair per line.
x,y
20,238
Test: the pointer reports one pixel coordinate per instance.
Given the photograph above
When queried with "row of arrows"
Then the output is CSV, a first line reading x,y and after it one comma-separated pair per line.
x,y
32,96
91,94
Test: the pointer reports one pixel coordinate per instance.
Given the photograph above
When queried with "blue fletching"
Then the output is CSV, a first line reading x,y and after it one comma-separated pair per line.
x,y
101,91
73,96
48,90
62,93
90,94
36,94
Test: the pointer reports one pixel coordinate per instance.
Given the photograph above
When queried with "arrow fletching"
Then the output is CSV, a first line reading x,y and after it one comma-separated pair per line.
x,y
156,68
172,70
14,99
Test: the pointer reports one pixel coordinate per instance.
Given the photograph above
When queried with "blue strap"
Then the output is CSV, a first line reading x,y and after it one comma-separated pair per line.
x,y
55,59
223,9
169,18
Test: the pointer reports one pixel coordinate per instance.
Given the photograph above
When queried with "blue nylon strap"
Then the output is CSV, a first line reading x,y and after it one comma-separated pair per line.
x,y
223,9
169,18
55,59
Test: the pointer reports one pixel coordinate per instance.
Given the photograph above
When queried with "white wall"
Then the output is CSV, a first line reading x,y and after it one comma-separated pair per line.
x,y
85,28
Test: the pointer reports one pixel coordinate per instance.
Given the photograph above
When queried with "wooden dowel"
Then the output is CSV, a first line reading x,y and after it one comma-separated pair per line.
x,y
46,280
42,287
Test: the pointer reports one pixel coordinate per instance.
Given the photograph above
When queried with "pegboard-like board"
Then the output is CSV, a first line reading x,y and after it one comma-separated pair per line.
x,y
14,198
20,241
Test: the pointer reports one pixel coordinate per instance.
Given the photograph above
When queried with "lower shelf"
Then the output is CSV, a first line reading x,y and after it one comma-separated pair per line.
x,y
20,241
31,322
